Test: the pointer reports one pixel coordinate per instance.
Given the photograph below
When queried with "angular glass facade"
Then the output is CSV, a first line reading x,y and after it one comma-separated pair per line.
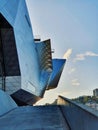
x,y
24,64
58,65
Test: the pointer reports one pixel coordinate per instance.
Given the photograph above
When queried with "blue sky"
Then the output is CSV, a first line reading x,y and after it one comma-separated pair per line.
x,y
71,25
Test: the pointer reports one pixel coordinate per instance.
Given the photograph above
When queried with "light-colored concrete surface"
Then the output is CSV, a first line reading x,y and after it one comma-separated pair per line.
x,y
6,103
34,118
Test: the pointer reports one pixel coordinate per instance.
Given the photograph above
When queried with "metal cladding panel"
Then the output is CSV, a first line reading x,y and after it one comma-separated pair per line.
x,y
58,65
23,97
45,63
6,103
34,61
2,3
27,53
13,83
9,8
18,18
44,55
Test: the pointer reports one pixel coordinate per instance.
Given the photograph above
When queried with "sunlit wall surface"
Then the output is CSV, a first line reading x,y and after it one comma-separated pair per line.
x,y
26,48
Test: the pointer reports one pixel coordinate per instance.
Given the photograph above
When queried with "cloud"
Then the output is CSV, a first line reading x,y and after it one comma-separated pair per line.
x,y
71,70
80,57
89,53
75,82
67,54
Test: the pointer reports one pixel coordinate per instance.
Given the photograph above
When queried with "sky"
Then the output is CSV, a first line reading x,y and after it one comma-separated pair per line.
x,y
72,26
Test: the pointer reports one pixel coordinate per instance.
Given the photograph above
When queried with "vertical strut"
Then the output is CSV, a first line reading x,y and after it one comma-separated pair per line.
x,y
2,64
